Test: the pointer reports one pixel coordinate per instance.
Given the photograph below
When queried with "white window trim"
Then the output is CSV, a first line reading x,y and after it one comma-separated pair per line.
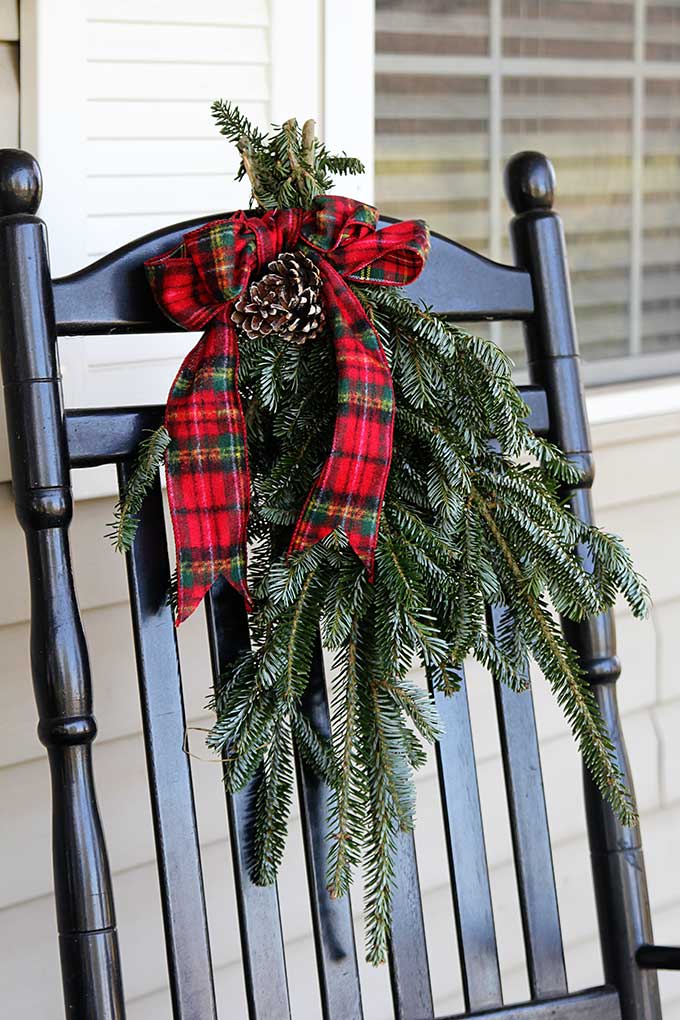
x,y
349,110
638,400
52,80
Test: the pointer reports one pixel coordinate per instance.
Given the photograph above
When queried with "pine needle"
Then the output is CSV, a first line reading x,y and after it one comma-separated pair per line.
x,y
287,167
142,478
465,524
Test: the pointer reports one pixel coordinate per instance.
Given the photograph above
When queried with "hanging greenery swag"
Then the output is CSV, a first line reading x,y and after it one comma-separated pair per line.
x,y
390,578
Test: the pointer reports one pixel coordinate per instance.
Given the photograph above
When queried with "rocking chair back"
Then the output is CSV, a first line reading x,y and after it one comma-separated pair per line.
x,y
111,296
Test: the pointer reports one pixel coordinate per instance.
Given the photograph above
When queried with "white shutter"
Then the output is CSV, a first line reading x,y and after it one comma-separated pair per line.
x,y
116,106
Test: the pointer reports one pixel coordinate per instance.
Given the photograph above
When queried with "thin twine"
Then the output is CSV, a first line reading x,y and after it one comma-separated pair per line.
x,y
197,757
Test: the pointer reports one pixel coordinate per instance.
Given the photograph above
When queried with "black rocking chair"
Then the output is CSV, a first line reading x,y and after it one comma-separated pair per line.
x,y
111,296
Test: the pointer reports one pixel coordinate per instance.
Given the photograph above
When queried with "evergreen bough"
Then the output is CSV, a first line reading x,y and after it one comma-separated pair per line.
x,y
466,524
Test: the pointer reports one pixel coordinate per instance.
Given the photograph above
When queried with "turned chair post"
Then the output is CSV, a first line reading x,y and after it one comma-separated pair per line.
x,y
61,674
554,364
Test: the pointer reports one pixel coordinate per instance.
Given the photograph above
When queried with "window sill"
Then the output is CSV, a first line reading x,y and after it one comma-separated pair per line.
x,y
622,403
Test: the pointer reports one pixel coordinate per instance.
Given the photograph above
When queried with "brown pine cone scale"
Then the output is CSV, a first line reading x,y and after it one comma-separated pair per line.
x,y
284,301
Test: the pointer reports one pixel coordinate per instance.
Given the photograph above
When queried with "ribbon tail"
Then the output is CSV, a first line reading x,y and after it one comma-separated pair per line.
x,y
207,469
350,490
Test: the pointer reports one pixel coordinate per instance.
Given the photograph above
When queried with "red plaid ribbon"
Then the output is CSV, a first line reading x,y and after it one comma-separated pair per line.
x,y
207,466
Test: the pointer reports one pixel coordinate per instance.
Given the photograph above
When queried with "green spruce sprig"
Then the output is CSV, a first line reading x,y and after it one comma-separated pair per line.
x,y
286,168
144,472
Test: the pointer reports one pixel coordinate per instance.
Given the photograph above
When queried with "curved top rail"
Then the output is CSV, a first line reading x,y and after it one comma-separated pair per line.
x,y
112,296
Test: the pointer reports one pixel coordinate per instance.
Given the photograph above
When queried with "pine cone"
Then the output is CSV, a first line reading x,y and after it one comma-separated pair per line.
x,y
285,301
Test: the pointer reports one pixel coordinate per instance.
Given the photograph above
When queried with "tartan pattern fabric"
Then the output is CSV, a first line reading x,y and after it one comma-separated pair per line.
x,y
349,492
207,466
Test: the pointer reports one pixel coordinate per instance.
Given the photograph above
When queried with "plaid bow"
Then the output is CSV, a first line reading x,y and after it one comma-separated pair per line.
x,y
207,464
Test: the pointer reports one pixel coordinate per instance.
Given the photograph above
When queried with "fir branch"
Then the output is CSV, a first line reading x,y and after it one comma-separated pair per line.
x,y
143,475
465,525
563,671
288,167
315,749
439,560
273,803
348,804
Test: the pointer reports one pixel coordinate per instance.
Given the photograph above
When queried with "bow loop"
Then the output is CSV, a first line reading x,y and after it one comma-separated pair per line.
x,y
179,290
208,477
337,222
344,232
215,263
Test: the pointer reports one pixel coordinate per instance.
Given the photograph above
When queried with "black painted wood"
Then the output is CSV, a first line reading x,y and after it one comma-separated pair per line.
x,y
552,348
111,295
61,672
468,287
530,835
658,957
331,918
170,785
264,962
409,967
111,435
467,854
592,1004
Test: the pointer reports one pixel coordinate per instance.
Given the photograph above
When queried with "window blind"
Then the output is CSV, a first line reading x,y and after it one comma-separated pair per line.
x,y
595,84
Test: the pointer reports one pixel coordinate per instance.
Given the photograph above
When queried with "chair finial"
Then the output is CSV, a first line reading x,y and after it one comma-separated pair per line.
x,y
20,182
529,182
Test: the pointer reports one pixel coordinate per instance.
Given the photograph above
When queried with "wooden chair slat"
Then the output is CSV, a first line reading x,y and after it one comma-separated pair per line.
x,y
592,1004
172,797
107,436
409,968
467,854
530,836
111,295
264,962
331,918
